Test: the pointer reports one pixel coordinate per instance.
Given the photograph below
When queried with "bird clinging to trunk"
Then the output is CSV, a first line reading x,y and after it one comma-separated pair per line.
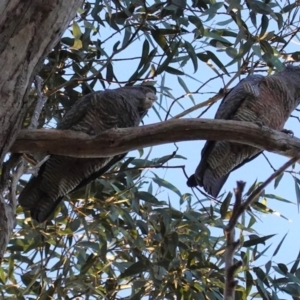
x,y
92,114
265,100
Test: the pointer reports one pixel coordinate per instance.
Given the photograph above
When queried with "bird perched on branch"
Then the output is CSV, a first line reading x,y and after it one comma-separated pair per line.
x,y
264,100
92,114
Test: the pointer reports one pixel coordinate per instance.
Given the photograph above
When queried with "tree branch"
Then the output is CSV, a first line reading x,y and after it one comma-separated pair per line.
x,y
121,140
231,246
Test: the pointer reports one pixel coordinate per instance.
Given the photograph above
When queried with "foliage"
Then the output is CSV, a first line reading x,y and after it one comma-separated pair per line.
x,y
120,235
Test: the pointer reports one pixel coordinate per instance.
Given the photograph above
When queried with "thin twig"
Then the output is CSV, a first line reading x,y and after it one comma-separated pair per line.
x,y
36,167
14,182
41,100
268,161
191,93
20,170
210,100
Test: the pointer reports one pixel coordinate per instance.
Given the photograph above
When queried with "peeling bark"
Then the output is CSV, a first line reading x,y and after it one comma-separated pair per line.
x,y
28,30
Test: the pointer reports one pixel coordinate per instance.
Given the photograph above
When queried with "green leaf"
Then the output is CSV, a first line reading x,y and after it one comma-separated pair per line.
x,y
169,58
214,58
136,268
160,39
191,52
268,266
223,23
252,221
271,196
252,188
74,225
265,46
88,264
138,73
166,158
147,197
279,20
2,276
174,71
279,245
217,35
274,296
109,73
127,36
10,271
277,180
261,275
95,13
288,8
255,240
253,18
142,163
211,12
77,44
142,226
76,31
116,45
225,204
261,290
111,22
296,263
260,7
182,83
145,53
166,184
260,254
86,244
249,282
283,268
297,189
199,26
264,25
244,49
231,52
138,295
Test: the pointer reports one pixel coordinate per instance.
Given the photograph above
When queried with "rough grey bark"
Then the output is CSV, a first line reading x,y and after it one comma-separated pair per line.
x,y
29,30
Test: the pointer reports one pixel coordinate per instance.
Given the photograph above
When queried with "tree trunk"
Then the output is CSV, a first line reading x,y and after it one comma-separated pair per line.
x,y
28,30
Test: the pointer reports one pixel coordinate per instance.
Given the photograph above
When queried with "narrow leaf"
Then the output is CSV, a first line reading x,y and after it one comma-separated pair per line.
x,y
279,245
225,205
257,240
166,184
295,265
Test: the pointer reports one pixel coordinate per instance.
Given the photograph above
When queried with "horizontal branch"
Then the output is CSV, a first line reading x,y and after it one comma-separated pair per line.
x,y
120,140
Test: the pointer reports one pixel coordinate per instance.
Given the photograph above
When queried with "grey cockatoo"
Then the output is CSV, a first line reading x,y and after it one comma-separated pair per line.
x,y
92,114
265,100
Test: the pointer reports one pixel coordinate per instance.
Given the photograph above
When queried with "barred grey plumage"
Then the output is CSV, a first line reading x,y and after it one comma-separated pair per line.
x,y
265,100
92,114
